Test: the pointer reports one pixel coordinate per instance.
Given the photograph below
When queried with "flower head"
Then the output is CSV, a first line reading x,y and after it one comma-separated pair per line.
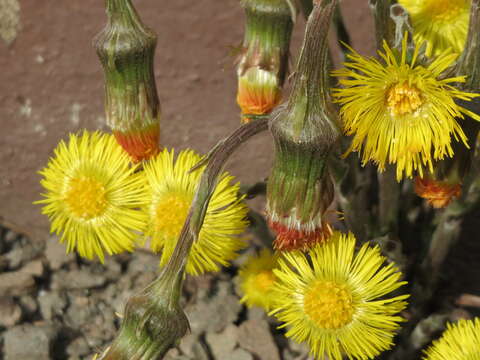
x,y
437,193
257,278
92,195
461,341
400,111
171,188
442,24
337,300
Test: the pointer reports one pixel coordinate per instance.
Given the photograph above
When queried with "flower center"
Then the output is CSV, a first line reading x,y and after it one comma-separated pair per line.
x,y
403,99
329,305
86,197
264,280
444,10
170,214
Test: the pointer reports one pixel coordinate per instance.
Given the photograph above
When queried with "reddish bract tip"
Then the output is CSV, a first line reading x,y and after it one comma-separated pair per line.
x,y
289,239
437,193
140,145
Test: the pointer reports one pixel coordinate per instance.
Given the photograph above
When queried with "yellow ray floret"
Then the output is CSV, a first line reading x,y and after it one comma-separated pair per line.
x,y
399,111
257,278
441,24
171,188
93,195
338,300
461,341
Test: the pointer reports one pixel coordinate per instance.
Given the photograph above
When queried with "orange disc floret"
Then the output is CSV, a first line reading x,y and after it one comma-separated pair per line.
x,y
437,193
290,238
140,144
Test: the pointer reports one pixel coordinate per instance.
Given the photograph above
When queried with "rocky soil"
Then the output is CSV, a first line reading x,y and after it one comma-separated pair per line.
x,y
58,306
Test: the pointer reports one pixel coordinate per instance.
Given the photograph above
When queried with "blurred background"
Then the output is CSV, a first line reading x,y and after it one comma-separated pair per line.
x,y
51,83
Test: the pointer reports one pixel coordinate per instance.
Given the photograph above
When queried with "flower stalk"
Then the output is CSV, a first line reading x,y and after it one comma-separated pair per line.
x,y
153,320
126,50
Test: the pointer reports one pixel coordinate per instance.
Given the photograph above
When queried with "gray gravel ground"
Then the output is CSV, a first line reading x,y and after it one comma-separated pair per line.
x,y
58,306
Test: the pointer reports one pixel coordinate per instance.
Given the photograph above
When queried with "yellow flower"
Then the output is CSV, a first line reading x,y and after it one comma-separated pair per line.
x,y
257,278
171,188
460,341
92,195
337,300
442,24
399,111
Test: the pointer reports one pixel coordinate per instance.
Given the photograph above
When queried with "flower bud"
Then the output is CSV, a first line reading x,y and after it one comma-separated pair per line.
x,y
153,321
126,49
305,130
263,64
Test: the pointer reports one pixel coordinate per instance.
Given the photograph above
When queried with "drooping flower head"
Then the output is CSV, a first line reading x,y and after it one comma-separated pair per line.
x,y
126,49
304,130
262,65
442,24
461,341
257,278
171,188
92,195
400,111
337,300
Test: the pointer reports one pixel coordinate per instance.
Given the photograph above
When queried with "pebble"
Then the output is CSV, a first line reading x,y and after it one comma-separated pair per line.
x,y
222,344
10,312
215,313
52,303
34,268
29,342
255,336
239,354
56,255
77,279
78,347
16,283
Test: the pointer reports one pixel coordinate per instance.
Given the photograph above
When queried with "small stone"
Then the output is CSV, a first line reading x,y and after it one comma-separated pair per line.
x,y
16,283
22,254
255,336
10,312
222,344
56,254
240,354
187,344
34,268
78,347
215,313
29,342
52,303
77,279
29,304
143,262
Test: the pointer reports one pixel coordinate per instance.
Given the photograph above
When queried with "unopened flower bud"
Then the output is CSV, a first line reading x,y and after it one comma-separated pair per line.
x,y
126,49
305,130
263,64
152,323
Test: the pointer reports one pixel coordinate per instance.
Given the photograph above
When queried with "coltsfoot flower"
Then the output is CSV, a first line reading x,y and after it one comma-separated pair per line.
x,y
171,188
93,195
337,300
257,278
461,341
442,24
437,193
400,111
